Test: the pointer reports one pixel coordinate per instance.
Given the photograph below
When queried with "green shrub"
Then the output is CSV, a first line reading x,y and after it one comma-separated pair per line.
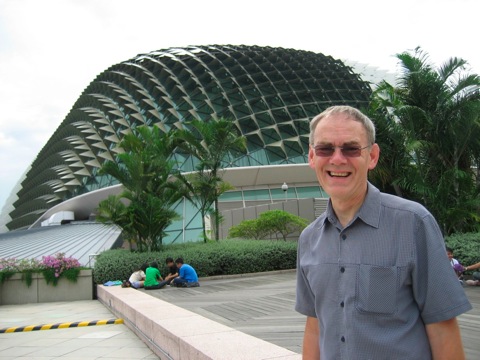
x,y
118,264
466,247
269,223
281,222
225,257
52,278
248,229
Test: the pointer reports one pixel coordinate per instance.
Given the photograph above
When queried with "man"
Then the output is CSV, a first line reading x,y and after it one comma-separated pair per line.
x,y
476,275
472,267
187,275
373,277
172,270
153,278
137,279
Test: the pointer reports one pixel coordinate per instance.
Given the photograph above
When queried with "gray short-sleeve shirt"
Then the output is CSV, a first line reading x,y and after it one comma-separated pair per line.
x,y
375,283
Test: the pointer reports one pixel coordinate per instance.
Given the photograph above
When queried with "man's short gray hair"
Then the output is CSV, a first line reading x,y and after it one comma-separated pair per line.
x,y
352,113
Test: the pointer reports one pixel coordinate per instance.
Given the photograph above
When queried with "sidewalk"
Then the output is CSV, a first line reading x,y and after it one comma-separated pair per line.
x,y
104,342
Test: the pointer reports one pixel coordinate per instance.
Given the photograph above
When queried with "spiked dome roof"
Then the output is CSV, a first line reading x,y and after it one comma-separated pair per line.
x,y
269,93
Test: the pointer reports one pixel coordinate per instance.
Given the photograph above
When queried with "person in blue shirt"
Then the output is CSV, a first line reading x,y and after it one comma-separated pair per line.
x,y
373,277
187,276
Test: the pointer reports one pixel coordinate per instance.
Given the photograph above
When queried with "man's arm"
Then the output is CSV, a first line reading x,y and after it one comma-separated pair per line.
x,y
445,340
472,267
311,350
158,275
171,276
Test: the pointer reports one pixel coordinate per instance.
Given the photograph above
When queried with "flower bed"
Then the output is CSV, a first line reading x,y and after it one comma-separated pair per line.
x,y
54,278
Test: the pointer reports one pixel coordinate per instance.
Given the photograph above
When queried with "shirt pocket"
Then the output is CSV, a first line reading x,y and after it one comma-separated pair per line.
x,y
376,289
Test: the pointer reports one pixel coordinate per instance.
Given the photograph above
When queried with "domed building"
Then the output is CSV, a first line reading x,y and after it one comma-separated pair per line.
x,y
270,94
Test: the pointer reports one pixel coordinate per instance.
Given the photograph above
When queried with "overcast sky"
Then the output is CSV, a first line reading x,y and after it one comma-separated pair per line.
x,y
50,50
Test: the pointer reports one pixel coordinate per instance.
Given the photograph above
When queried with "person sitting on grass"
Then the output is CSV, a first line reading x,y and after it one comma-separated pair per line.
x,y
137,278
153,278
187,275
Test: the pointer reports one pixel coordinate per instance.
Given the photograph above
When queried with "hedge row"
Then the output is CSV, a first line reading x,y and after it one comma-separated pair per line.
x,y
226,257
229,257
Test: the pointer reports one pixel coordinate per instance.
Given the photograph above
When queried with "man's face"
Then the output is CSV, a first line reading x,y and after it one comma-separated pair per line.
x,y
343,178
170,264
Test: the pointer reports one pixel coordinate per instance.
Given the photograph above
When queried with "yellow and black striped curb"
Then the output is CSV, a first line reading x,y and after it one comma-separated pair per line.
x,y
60,326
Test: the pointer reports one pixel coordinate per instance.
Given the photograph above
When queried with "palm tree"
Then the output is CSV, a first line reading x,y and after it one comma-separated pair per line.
x,y
394,161
144,170
438,113
114,210
205,190
212,144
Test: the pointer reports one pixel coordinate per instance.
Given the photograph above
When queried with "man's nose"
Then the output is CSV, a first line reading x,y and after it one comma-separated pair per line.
x,y
337,156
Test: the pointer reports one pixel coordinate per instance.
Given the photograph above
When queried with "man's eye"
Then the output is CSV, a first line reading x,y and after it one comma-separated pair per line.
x,y
350,149
324,150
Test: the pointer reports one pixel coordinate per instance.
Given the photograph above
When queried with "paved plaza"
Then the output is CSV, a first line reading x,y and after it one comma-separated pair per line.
x,y
260,305
263,306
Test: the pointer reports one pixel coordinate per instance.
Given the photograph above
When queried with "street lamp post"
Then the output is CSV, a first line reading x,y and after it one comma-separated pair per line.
x,y
285,190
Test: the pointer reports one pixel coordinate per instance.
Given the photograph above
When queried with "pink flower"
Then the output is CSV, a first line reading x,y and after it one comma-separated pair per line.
x,y
58,263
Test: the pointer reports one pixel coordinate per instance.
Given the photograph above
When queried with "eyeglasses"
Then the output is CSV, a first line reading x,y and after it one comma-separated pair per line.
x,y
347,151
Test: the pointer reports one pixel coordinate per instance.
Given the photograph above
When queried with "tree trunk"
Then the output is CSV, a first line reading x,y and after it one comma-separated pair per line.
x,y
217,220
203,226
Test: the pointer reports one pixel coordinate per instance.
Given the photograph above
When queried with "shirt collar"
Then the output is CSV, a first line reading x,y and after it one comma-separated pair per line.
x,y
369,212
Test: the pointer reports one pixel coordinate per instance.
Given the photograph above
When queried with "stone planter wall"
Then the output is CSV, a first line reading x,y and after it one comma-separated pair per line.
x,y
15,291
174,333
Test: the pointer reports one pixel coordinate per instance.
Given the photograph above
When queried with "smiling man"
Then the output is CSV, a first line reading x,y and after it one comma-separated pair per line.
x,y
373,277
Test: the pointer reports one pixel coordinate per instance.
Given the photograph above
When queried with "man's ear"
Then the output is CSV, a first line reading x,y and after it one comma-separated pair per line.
x,y
311,154
374,156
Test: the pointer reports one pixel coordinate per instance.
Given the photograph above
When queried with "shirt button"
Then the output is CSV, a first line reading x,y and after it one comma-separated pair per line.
x,y
342,269
344,237
342,304
342,338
